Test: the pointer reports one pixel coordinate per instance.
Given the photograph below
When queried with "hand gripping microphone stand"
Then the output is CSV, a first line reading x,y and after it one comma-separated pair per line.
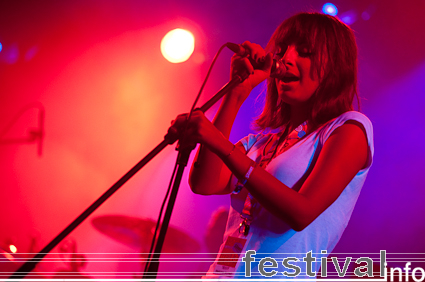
x,y
183,157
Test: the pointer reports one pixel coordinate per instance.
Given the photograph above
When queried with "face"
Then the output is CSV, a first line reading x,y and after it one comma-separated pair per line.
x,y
297,85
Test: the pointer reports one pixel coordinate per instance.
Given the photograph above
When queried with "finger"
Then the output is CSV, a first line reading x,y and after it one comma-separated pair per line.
x,y
181,125
182,116
248,66
254,50
198,110
179,122
241,65
268,61
248,48
172,134
258,53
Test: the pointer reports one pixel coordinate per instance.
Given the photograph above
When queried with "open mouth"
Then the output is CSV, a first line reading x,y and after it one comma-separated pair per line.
x,y
288,79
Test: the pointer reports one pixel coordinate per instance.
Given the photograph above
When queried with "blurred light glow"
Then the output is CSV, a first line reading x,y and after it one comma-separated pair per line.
x,y
330,9
31,53
1,47
7,256
11,54
366,16
349,17
13,248
178,45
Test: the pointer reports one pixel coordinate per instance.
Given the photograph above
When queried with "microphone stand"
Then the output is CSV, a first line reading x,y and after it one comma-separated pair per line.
x,y
29,265
33,134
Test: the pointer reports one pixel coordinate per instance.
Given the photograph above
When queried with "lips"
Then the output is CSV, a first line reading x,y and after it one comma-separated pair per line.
x,y
289,77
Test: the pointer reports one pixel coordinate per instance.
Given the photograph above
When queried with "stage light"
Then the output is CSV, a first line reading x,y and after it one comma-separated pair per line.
x,y
31,53
177,45
13,248
330,9
365,16
1,47
349,17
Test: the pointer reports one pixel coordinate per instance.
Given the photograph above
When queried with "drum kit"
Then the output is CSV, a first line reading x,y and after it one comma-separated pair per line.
x,y
137,233
133,232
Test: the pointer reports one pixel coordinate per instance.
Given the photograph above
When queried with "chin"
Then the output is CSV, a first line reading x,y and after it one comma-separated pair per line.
x,y
295,102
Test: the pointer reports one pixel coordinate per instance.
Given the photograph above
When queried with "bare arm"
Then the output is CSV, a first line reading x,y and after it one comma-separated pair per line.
x,y
209,175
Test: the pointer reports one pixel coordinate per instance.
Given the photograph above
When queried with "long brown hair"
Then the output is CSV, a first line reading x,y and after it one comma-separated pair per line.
x,y
334,61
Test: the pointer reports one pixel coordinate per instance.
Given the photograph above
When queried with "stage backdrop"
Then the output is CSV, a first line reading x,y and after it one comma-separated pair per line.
x,y
94,68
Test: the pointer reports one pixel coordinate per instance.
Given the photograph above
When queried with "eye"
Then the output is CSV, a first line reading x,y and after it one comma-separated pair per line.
x,y
281,50
304,51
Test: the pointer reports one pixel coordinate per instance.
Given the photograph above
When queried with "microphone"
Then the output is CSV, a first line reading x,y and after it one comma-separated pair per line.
x,y
278,69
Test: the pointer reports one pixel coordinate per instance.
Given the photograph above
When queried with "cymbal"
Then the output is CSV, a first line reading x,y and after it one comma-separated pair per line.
x,y
138,233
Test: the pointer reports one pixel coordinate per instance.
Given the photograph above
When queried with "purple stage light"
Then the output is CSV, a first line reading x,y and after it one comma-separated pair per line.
x,y
349,17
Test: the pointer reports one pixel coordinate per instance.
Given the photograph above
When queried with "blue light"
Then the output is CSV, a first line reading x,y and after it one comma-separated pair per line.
x,y
330,9
1,47
349,17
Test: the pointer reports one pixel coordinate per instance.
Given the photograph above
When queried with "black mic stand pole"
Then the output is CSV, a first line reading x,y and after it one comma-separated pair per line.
x,y
182,159
29,265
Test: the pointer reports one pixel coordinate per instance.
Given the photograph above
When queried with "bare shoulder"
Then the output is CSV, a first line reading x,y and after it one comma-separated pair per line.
x,y
343,155
349,141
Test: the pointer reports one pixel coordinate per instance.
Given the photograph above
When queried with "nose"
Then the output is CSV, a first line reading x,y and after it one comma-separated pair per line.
x,y
290,55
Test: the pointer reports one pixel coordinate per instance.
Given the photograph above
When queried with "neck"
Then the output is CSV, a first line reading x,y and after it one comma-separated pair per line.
x,y
298,116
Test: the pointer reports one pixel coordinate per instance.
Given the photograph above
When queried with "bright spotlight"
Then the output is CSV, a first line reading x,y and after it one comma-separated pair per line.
x,y
13,248
330,9
177,45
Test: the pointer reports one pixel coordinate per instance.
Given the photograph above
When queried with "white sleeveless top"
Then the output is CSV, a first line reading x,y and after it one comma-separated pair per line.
x,y
271,237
